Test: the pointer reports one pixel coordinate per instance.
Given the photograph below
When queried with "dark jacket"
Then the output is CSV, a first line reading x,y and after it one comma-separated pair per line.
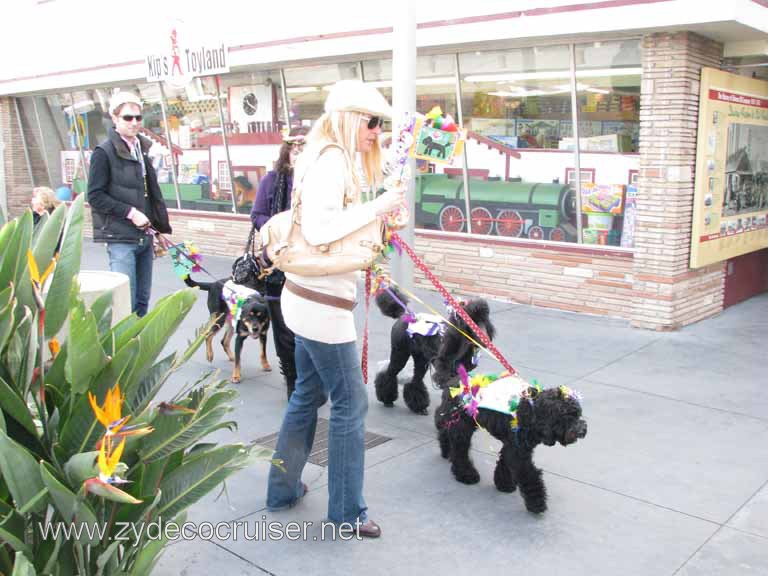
x,y
262,207
115,185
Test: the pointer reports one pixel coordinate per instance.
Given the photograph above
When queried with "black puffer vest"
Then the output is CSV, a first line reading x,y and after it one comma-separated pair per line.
x,y
126,184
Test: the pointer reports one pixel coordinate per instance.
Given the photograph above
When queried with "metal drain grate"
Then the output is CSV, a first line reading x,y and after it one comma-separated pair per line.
x,y
319,453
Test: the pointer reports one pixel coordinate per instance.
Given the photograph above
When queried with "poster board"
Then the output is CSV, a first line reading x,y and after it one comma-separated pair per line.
x,y
730,210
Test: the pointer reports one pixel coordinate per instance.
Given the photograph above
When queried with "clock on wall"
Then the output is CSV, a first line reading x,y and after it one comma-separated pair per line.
x,y
250,103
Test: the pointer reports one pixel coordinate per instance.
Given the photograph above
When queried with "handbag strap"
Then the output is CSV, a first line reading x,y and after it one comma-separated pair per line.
x,y
296,194
249,243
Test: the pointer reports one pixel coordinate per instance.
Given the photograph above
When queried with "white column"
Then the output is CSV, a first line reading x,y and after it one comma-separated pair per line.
x,y
404,100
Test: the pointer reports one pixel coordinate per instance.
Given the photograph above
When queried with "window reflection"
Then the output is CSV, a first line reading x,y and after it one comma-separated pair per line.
x,y
608,94
435,86
517,110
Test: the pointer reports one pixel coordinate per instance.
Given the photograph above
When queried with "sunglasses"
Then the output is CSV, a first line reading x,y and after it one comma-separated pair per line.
x,y
131,117
375,122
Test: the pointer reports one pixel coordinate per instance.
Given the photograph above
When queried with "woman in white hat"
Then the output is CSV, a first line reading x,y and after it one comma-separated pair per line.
x,y
319,309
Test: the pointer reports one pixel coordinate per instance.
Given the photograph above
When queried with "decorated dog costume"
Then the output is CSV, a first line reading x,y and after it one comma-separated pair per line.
x,y
243,313
521,416
427,340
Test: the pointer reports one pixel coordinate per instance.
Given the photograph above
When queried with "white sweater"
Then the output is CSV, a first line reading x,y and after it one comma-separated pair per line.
x,y
323,220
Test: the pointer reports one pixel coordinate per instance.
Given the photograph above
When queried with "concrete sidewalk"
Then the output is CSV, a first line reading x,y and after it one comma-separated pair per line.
x,y
671,479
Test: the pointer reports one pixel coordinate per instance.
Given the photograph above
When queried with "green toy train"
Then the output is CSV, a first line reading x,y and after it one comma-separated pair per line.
x,y
512,209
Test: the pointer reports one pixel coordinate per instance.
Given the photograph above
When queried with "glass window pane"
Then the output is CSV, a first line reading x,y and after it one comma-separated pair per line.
x,y
305,87
435,86
517,106
608,89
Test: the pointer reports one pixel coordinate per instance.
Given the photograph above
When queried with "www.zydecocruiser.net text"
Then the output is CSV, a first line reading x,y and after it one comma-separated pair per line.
x,y
255,530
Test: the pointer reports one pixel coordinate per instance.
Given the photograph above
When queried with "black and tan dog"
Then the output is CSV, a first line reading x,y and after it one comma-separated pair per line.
x,y
444,348
252,323
547,417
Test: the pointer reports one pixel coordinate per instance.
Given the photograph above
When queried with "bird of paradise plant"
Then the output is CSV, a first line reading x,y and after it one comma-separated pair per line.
x,y
83,439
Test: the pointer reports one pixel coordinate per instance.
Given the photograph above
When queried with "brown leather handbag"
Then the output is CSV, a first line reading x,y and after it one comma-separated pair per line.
x,y
287,249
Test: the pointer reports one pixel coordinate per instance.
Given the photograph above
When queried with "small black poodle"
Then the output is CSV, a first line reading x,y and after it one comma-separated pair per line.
x,y
444,348
553,415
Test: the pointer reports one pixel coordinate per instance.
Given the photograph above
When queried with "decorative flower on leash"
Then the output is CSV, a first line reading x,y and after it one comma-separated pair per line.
x,y
185,258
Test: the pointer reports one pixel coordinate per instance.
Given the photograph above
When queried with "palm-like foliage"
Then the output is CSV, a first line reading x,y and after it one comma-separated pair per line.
x,y
52,451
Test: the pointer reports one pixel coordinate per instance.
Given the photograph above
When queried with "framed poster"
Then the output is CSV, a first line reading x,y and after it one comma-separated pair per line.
x,y
730,207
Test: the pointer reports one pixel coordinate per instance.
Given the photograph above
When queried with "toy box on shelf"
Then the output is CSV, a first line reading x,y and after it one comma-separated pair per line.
x,y
601,203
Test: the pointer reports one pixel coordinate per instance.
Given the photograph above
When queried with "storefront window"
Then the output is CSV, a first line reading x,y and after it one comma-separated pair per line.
x,y
608,93
435,87
517,109
306,87
254,113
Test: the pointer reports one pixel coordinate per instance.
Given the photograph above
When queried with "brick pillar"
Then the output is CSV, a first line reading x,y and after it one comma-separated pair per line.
x,y
667,294
18,184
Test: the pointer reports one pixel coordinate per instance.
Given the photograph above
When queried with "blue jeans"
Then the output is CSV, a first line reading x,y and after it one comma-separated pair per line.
x,y
135,261
323,371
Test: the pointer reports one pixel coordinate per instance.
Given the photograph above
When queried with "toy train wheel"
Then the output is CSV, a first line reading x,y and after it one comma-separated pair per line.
x,y
557,234
535,233
451,219
509,223
482,221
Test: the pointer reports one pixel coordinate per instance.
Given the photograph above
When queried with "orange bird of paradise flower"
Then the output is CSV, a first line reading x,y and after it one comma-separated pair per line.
x,y
109,415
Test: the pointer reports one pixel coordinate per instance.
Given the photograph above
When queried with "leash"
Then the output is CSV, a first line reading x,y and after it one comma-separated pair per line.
x,y
364,357
455,305
166,244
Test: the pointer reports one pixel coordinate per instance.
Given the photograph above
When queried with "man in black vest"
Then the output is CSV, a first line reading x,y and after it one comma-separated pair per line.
x,y
126,200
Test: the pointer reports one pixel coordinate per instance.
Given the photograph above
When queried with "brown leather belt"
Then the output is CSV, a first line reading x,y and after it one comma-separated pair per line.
x,y
319,297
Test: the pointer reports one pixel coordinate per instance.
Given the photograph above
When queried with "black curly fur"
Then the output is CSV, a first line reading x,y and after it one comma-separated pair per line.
x,y
549,418
445,352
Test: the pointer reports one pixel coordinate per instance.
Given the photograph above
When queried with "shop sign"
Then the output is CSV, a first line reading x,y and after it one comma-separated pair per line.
x,y
730,211
183,56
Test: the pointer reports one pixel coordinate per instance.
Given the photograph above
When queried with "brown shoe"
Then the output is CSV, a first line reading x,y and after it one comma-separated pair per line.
x,y
369,530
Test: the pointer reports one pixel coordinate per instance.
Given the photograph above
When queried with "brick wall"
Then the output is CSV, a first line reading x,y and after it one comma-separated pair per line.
x,y
567,278
578,279
667,294
18,184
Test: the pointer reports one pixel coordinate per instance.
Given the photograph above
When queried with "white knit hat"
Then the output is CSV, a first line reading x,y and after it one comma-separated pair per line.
x,y
121,98
356,96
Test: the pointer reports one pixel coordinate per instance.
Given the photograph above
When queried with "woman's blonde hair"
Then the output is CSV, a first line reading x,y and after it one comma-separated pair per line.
x,y
342,128
47,197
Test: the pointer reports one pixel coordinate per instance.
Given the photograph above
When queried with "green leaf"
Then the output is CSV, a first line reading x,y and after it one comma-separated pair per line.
x,y
23,567
174,433
24,379
16,408
148,388
57,301
12,528
85,358
21,473
15,250
149,554
17,350
198,476
81,430
7,306
107,559
81,467
102,311
73,510
163,322
45,243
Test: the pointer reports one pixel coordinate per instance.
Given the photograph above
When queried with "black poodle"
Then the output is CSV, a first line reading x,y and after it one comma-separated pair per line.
x,y
444,348
533,418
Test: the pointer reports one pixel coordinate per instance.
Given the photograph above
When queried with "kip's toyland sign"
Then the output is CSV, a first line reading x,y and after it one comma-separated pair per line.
x,y
183,57
730,211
